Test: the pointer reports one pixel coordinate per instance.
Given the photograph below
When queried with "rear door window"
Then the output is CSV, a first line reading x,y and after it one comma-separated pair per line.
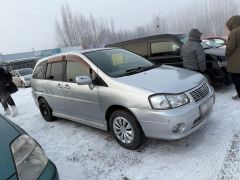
x,y
55,71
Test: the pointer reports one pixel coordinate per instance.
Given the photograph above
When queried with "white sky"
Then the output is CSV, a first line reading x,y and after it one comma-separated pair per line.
x,y
30,24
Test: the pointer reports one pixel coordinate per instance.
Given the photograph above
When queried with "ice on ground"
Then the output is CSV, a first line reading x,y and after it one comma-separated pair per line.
x,y
82,152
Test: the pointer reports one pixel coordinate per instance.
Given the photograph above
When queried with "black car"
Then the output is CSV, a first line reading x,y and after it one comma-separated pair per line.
x,y
165,49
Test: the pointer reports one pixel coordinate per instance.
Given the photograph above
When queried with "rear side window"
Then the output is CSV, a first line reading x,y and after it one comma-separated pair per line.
x,y
138,48
40,70
55,71
164,48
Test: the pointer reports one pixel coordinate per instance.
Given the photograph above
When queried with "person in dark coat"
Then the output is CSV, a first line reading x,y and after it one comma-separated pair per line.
x,y
233,52
5,96
192,52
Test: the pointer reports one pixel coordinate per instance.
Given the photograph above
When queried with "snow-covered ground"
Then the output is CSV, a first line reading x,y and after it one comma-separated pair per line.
x,y
82,152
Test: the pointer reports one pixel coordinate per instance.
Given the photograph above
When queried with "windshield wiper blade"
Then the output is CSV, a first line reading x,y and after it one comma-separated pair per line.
x,y
136,69
142,68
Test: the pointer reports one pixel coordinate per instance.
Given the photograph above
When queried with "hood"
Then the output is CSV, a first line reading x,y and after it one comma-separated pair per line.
x,y
29,76
216,51
233,22
165,79
8,133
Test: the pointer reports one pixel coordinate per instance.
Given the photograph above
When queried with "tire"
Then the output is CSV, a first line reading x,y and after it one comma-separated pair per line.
x,y
45,110
125,129
23,85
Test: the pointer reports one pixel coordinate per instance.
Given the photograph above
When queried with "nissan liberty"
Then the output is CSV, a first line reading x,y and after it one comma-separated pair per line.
x,y
117,90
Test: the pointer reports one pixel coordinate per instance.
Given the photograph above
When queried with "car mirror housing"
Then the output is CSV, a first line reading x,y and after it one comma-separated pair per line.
x,y
83,80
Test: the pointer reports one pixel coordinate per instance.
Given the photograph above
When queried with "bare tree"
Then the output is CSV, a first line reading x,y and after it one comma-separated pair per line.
x,y
207,15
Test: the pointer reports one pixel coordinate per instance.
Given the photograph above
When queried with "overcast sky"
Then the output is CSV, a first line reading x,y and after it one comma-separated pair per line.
x,y
30,24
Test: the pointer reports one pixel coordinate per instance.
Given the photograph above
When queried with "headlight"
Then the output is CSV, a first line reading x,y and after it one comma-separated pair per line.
x,y
162,102
222,63
30,159
177,100
159,102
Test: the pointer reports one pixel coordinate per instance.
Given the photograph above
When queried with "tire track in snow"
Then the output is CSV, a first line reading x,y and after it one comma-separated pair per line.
x,y
231,164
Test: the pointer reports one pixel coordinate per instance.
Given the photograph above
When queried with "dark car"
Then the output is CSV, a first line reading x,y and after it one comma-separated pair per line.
x,y
165,49
21,157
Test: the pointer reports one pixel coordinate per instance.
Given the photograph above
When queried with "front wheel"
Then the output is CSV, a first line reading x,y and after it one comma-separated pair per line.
x,y
23,85
125,129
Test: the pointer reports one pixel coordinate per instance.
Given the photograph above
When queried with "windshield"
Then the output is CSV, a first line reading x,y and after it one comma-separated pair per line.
x,y
205,46
184,39
118,62
211,43
24,72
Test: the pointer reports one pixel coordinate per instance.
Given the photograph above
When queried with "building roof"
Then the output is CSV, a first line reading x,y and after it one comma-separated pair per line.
x,y
34,55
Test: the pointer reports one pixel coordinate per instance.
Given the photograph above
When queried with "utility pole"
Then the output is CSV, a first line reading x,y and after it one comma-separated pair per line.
x,y
158,24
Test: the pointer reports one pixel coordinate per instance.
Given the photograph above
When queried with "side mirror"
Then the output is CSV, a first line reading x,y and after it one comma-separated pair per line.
x,y
83,80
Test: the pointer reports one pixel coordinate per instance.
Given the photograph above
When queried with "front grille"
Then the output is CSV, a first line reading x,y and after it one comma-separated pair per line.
x,y
200,92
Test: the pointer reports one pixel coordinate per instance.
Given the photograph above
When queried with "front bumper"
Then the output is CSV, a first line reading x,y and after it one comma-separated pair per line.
x,y
159,123
27,83
50,172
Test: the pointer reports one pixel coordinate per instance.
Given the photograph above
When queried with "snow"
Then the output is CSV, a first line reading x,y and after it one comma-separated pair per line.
x,y
82,152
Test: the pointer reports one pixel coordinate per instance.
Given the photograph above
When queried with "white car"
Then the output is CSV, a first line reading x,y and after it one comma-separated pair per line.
x,y
22,77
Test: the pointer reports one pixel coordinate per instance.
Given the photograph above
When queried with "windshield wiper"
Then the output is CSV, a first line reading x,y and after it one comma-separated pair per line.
x,y
135,69
141,68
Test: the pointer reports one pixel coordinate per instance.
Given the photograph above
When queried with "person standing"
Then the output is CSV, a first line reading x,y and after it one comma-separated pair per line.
x,y
192,52
7,87
233,52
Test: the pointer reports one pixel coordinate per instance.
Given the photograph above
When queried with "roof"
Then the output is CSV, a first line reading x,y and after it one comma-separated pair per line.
x,y
146,38
73,52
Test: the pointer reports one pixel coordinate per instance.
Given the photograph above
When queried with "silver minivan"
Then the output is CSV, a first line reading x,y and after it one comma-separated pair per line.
x,y
117,90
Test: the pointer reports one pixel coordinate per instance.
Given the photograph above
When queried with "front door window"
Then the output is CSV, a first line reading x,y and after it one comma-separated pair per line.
x,y
75,69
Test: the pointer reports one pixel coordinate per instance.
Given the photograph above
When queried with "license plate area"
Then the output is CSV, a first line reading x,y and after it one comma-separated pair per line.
x,y
206,107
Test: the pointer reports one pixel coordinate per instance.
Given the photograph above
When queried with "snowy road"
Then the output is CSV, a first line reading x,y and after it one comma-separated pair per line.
x,y
82,152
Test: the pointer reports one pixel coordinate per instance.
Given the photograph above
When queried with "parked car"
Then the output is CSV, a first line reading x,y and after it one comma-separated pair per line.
x,y
21,156
165,49
217,39
22,77
116,90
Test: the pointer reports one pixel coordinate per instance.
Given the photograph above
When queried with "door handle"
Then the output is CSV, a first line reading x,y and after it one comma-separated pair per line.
x,y
67,86
59,85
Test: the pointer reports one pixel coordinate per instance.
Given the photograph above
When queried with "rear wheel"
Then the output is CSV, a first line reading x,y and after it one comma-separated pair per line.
x,y
125,129
45,110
